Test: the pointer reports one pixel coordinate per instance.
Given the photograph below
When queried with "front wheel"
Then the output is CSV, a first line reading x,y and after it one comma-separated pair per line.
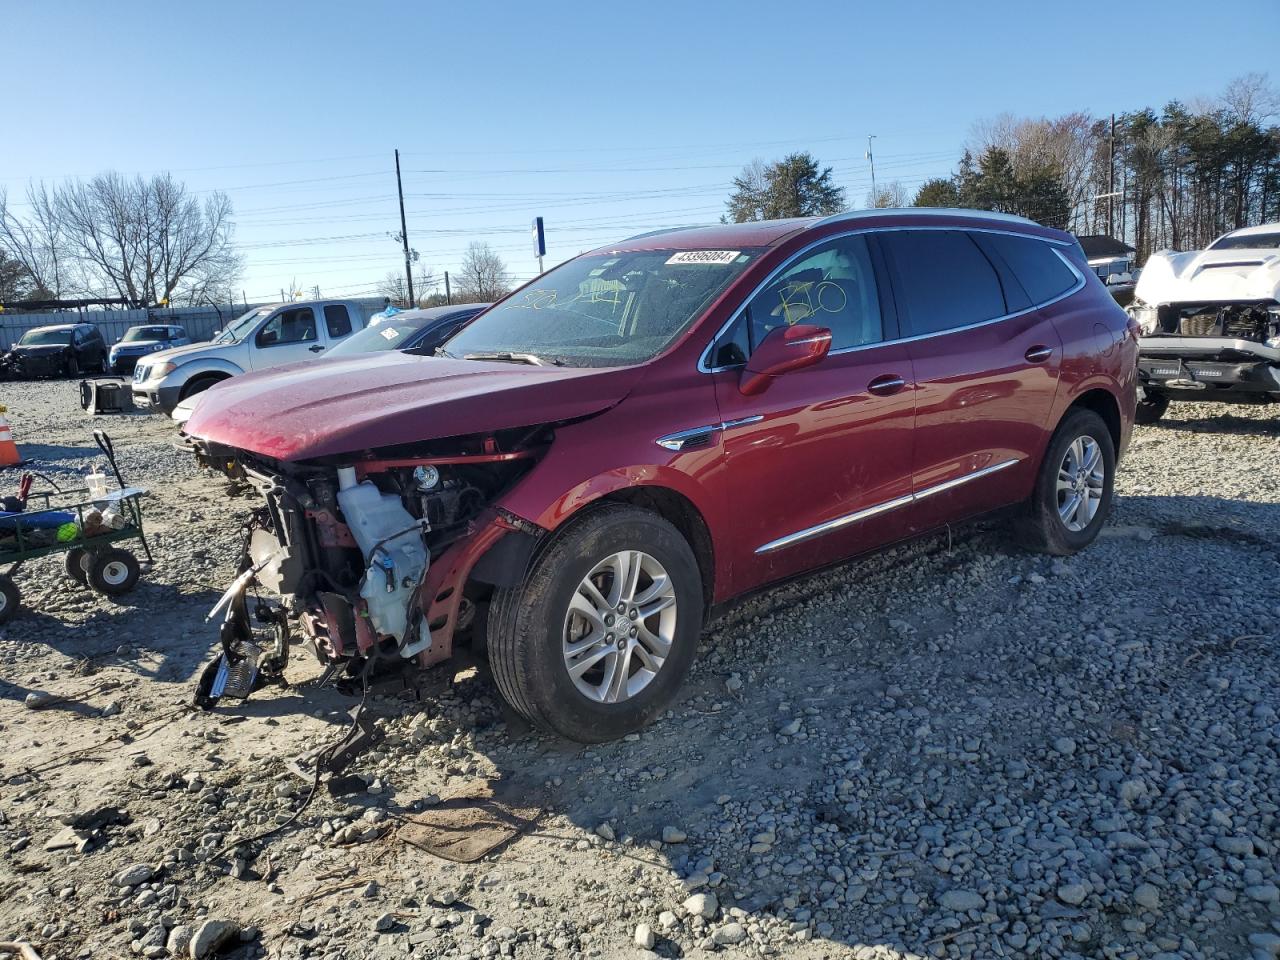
x,y
113,572
73,366
597,640
1151,406
1073,492
9,599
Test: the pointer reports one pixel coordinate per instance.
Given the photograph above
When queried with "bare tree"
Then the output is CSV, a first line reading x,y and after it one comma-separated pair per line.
x,y
38,242
892,194
483,274
148,240
394,289
1251,98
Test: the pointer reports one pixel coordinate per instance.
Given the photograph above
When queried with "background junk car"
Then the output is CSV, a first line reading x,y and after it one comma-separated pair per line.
x,y
594,464
139,341
1210,322
67,349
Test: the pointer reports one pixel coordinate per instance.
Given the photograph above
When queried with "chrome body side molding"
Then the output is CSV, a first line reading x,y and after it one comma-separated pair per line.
x,y
829,526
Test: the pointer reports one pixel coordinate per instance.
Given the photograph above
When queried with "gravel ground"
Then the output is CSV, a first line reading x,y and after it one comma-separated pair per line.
x,y
954,749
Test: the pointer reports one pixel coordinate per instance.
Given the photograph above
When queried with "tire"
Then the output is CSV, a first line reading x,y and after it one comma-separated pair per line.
x,y
73,366
10,598
77,565
1151,406
1044,528
113,572
198,385
530,625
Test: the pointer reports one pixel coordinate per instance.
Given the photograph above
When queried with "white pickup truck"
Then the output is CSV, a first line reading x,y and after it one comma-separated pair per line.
x,y
264,337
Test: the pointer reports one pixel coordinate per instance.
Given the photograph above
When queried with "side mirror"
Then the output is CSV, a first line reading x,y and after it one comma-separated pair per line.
x,y
784,350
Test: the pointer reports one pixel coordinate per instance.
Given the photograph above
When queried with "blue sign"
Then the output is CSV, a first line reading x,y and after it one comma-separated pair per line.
x,y
539,238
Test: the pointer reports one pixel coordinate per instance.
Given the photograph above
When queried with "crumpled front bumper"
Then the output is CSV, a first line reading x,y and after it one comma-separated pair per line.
x,y
1210,367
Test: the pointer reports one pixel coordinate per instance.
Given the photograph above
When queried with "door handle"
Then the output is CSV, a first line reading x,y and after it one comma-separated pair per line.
x,y
886,385
316,349
1038,354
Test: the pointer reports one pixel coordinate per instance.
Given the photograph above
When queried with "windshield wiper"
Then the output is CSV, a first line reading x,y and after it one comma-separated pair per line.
x,y
442,352
508,356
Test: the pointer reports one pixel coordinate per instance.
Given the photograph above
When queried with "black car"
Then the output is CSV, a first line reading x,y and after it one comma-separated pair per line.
x,y
67,349
413,331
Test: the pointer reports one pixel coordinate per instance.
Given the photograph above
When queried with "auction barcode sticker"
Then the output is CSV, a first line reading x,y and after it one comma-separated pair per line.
x,y
704,256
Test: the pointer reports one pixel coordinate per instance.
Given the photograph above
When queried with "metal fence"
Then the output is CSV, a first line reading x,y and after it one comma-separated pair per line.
x,y
201,323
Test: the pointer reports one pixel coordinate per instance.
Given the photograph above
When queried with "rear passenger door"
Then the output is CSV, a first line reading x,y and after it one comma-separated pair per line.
x,y
986,367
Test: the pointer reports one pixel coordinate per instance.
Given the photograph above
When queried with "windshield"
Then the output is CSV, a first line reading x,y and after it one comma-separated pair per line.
x,y
603,310
45,338
134,334
242,326
390,334
1248,241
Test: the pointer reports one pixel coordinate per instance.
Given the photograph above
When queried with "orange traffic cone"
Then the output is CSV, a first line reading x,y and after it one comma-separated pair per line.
x,y
9,456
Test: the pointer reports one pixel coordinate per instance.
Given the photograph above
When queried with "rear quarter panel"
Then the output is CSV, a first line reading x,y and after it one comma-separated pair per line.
x,y
1099,353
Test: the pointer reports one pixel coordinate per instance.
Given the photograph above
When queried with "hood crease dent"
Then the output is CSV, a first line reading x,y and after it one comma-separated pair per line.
x,y
313,409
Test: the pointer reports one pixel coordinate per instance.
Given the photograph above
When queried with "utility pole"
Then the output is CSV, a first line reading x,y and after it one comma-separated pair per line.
x,y
404,236
872,160
448,297
1111,183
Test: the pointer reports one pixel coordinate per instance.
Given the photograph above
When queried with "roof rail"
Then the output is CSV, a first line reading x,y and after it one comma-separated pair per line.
x,y
658,233
937,211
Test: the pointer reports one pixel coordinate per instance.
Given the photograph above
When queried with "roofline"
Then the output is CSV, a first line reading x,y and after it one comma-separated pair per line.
x,y
956,212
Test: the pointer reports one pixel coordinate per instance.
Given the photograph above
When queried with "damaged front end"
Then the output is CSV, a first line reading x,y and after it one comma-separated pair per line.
x,y
1211,351
370,556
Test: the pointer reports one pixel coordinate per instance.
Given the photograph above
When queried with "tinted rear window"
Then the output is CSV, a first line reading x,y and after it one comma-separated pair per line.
x,y
1040,271
943,280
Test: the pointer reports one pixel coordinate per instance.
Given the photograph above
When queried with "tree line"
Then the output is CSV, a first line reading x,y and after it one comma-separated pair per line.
x,y
148,240
1175,178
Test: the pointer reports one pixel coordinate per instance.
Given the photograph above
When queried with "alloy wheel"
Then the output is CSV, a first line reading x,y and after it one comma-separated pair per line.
x,y
1081,480
619,627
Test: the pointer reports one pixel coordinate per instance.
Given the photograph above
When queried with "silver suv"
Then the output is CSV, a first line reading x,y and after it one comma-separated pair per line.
x,y
263,337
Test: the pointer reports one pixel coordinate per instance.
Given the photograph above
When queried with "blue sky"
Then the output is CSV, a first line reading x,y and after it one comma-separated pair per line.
x,y
605,118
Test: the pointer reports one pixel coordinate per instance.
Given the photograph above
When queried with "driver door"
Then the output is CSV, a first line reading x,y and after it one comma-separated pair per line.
x,y
289,335
819,463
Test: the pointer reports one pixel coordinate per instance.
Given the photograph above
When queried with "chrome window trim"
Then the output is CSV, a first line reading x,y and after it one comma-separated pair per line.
x,y
828,526
704,360
676,441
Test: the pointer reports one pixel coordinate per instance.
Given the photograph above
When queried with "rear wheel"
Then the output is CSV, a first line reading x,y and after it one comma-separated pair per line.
x,y
9,599
114,572
77,563
1151,406
1073,493
597,640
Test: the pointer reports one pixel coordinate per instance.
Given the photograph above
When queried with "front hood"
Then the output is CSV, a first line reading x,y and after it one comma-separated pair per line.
x,y
346,405
1206,276
193,351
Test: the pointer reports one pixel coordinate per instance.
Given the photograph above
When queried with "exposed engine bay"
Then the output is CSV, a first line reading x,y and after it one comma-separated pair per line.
x,y
1255,322
345,552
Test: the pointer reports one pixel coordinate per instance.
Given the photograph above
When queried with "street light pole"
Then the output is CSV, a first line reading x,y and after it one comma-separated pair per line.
x,y
404,236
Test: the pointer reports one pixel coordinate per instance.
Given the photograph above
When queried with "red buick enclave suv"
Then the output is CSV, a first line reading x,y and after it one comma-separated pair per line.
x,y
597,462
